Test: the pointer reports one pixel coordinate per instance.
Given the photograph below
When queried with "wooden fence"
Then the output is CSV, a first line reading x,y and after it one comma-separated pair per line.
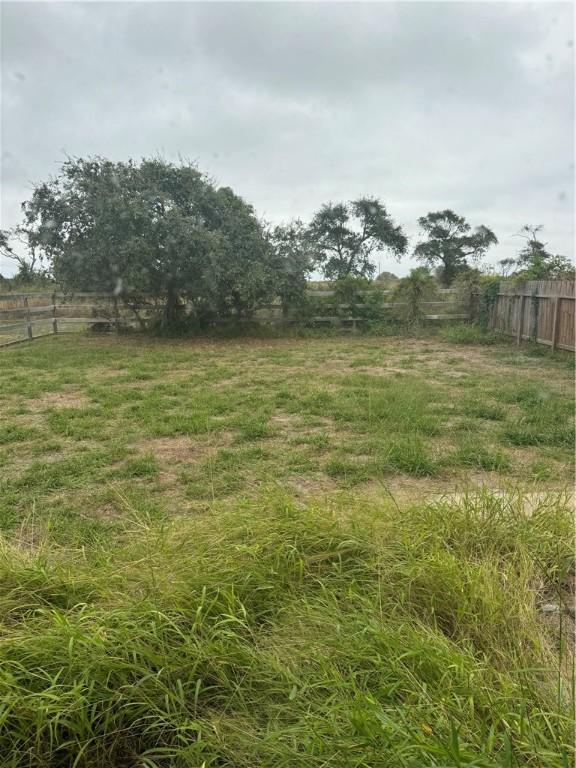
x,y
27,316
539,310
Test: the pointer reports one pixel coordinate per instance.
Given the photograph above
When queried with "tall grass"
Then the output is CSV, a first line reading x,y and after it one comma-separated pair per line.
x,y
346,633
471,334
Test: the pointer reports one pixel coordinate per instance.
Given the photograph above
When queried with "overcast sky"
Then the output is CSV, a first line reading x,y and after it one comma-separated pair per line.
x,y
424,105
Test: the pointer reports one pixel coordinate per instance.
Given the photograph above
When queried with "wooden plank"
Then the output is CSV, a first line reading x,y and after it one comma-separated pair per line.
x,y
520,320
21,324
116,314
28,323
566,331
545,318
465,316
54,317
555,323
86,320
11,296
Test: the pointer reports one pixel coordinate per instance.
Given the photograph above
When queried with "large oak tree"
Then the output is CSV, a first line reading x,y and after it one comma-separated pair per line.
x,y
152,229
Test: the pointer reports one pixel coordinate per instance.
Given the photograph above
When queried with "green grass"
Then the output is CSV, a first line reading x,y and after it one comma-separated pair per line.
x,y
275,635
470,334
256,553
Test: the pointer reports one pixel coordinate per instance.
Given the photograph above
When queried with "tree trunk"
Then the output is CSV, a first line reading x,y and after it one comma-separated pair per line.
x,y
137,315
173,306
448,274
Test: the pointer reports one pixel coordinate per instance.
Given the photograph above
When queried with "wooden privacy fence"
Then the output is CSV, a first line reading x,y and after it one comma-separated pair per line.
x,y
539,310
27,316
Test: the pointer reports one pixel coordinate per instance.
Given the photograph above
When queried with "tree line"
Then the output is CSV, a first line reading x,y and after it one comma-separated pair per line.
x,y
167,231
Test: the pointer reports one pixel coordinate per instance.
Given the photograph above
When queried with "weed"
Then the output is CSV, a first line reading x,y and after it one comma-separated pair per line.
x,y
472,453
14,433
410,455
142,466
470,334
480,408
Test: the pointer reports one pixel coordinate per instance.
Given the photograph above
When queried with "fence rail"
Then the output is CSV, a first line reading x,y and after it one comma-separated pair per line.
x,y
539,310
27,316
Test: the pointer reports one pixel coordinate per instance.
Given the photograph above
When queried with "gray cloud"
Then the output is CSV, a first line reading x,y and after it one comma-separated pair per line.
x,y
426,105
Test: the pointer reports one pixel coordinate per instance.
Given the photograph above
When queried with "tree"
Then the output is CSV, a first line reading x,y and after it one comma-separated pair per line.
x,y
27,265
152,229
345,235
386,278
294,260
450,242
534,262
5,247
412,291
506,266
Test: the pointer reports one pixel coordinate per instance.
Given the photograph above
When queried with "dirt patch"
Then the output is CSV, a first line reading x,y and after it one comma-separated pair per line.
x,y
291,425
405,490
170,449
310,486
418,490
387,370
182,449
63,399
452,374
108,511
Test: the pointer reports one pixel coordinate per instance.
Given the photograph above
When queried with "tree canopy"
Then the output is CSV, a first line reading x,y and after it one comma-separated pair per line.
x,y
294,260
534,262
152,228
27,263
450,242
345,235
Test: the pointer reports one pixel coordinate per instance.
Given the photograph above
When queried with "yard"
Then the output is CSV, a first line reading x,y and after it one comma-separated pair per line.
x,y
289,552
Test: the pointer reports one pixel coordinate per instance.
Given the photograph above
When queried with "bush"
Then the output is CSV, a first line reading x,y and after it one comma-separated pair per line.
x,y
412,291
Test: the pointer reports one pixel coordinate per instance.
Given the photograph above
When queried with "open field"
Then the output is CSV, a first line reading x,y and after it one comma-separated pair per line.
x,y
297,552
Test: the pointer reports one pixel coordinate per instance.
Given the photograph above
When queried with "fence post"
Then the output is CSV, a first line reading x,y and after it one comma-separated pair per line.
x,y
28,318
54,320
116,314
520,320
534,314
556,322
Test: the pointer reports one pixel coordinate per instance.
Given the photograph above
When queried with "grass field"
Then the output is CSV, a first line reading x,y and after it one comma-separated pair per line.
x,y
297,552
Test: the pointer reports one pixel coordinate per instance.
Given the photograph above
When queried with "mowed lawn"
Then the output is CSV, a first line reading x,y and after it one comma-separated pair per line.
x,y
291,552
89,425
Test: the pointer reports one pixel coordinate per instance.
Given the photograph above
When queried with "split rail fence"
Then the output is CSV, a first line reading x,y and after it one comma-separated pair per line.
x,y
28,316
24,317
541,311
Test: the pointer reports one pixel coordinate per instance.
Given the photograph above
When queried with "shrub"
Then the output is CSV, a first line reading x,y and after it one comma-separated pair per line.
x,y
412,291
